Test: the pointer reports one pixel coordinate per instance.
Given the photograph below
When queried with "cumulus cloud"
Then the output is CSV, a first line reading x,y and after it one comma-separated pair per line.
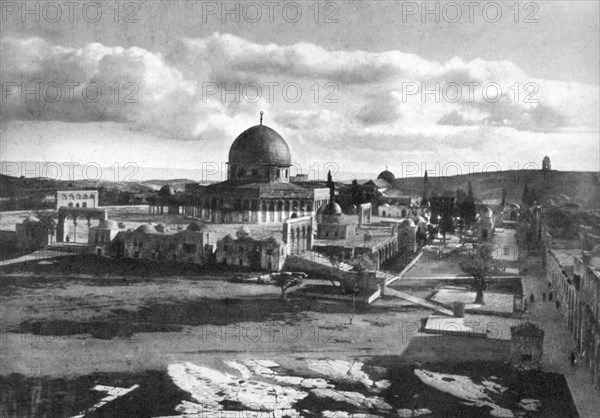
x,y
166,95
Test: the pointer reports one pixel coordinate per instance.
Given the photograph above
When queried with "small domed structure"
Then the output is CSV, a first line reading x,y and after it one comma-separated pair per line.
x,y
408,222
332,208
387,176
229,237
108,224
166,190
31,219
418,219
195,227
487,212
160,228
146,229
243,232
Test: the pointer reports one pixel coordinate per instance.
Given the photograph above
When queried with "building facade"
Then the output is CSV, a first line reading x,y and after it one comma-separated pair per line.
x,y
77,199
101,238
34,234
196,244
576,283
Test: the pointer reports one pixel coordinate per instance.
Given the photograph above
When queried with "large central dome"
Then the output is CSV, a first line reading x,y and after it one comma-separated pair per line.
x,y
260,145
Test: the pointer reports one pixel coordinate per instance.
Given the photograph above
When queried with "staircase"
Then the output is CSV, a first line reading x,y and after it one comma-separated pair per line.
x,y
389,277
318,258
418,301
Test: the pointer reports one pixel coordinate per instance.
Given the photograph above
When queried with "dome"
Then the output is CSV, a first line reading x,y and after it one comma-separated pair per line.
x,y
260,145
387,176
229,237
160,227
244,231
166,190
418,219
108,224
195,226
332,208
487,212
408,222
146,229
31,219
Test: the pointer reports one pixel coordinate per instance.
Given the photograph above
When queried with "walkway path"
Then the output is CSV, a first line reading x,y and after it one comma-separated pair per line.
x,y
558,342
37,255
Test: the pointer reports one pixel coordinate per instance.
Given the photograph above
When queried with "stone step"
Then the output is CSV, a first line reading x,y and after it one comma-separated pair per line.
x,y
418,301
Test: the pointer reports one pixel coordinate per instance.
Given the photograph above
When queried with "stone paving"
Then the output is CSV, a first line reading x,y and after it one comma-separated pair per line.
x,y
558,344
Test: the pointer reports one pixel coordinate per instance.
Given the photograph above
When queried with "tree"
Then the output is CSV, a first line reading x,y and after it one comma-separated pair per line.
x,y
446,225
284,282
480,268
504,195
355,193
335,259
529,196
425,199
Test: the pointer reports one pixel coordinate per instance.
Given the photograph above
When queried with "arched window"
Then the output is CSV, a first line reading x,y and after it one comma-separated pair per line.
x,y
85,196
64,197
70,204
84,205
77,205
71,197
78,196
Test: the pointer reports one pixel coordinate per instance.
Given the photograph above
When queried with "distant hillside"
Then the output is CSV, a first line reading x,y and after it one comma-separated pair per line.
x,y
580,186
17,187
177,184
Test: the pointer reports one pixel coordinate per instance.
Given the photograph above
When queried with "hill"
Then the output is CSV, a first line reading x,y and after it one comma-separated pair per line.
x,y
580,186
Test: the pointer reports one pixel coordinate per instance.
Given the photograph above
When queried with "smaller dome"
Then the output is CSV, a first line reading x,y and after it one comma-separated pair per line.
x,y
244,231
274,239
160,227
166,190
418,219
385,205
108,224
229,237
408,222
332,208
146,229
387,176
31,219
515,206
195,226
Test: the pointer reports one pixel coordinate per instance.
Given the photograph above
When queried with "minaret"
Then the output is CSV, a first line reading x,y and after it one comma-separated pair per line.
x,y
331,186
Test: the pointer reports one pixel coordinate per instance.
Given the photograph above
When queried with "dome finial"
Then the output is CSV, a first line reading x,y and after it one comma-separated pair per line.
x,y
261,116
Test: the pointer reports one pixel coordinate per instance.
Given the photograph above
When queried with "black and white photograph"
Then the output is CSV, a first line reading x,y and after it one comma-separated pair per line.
x,y
310,208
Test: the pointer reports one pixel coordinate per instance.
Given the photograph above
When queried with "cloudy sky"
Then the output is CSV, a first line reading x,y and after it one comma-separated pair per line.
x,y
362,85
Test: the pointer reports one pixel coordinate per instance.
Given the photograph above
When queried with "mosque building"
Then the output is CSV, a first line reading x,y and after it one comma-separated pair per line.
x,y
258,188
